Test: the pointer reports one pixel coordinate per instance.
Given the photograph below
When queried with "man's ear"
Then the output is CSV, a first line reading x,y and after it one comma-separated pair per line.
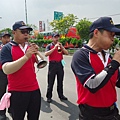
x,y
96,32
13,32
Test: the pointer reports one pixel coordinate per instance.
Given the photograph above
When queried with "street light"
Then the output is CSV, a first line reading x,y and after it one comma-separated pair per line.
x,y
26,11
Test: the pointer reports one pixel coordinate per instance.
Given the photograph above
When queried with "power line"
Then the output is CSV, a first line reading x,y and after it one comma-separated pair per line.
x,y
106,15
115,14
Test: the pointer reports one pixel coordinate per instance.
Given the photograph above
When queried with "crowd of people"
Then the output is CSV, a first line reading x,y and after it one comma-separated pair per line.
x,y
96,72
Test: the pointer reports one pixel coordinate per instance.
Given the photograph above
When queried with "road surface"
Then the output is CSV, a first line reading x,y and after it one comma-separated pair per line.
x,y
58,110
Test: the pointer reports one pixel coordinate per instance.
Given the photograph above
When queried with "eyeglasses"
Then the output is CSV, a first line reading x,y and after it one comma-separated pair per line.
x,y
25,31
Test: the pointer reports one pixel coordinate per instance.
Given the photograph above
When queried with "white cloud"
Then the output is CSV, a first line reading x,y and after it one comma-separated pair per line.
x,y
14,10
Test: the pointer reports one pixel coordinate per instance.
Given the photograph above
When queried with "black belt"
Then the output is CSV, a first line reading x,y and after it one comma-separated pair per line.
x,y
99,113
100,108
53,61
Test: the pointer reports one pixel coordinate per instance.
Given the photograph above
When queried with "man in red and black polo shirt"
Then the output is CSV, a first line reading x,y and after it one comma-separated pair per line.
x,y
97,73
18,59
55,51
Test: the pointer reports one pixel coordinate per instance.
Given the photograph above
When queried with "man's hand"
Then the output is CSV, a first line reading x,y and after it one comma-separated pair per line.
x,y
57,45
33,49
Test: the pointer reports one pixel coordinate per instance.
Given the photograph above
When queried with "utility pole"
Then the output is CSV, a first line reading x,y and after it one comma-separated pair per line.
x,y
48,25
26,11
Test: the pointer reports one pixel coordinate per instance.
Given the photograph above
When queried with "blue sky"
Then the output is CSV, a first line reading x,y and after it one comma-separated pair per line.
x,y
14,10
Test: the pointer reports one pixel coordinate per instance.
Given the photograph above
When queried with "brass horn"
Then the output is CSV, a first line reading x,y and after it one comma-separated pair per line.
x,y
59,50
41,62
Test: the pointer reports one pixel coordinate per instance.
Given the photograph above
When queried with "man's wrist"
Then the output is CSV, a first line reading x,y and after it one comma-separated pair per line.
x,y
63,48
54,48
25,57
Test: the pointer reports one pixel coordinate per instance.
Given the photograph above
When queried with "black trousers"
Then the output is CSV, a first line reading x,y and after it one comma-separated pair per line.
x,y
3,87
22,102
55,69
90,113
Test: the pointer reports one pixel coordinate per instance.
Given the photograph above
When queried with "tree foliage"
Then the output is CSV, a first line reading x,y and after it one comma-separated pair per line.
x,y
83,29
63,25
34,27
6,29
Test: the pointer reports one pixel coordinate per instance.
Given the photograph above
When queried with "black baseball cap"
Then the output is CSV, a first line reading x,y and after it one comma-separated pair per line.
x,y
105,23
21,25
5,33
55,34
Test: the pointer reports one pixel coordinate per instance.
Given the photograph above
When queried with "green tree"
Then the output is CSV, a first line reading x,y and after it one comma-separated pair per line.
x,y
6,29
34,27
83,29
79,43
40,36
115,45
63,25
74,41
63,41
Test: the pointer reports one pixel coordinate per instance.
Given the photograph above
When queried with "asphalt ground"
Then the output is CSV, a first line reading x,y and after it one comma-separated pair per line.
x,y
57,110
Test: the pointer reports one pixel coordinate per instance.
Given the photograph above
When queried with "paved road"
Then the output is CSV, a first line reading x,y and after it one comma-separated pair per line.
x,y
58,110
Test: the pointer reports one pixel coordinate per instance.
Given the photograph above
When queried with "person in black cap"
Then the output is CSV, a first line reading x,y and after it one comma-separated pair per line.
x,y
5,38
55,51
97,73
18,59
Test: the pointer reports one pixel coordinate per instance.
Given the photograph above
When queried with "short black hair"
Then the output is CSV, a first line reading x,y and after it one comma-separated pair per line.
x,y
91,33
